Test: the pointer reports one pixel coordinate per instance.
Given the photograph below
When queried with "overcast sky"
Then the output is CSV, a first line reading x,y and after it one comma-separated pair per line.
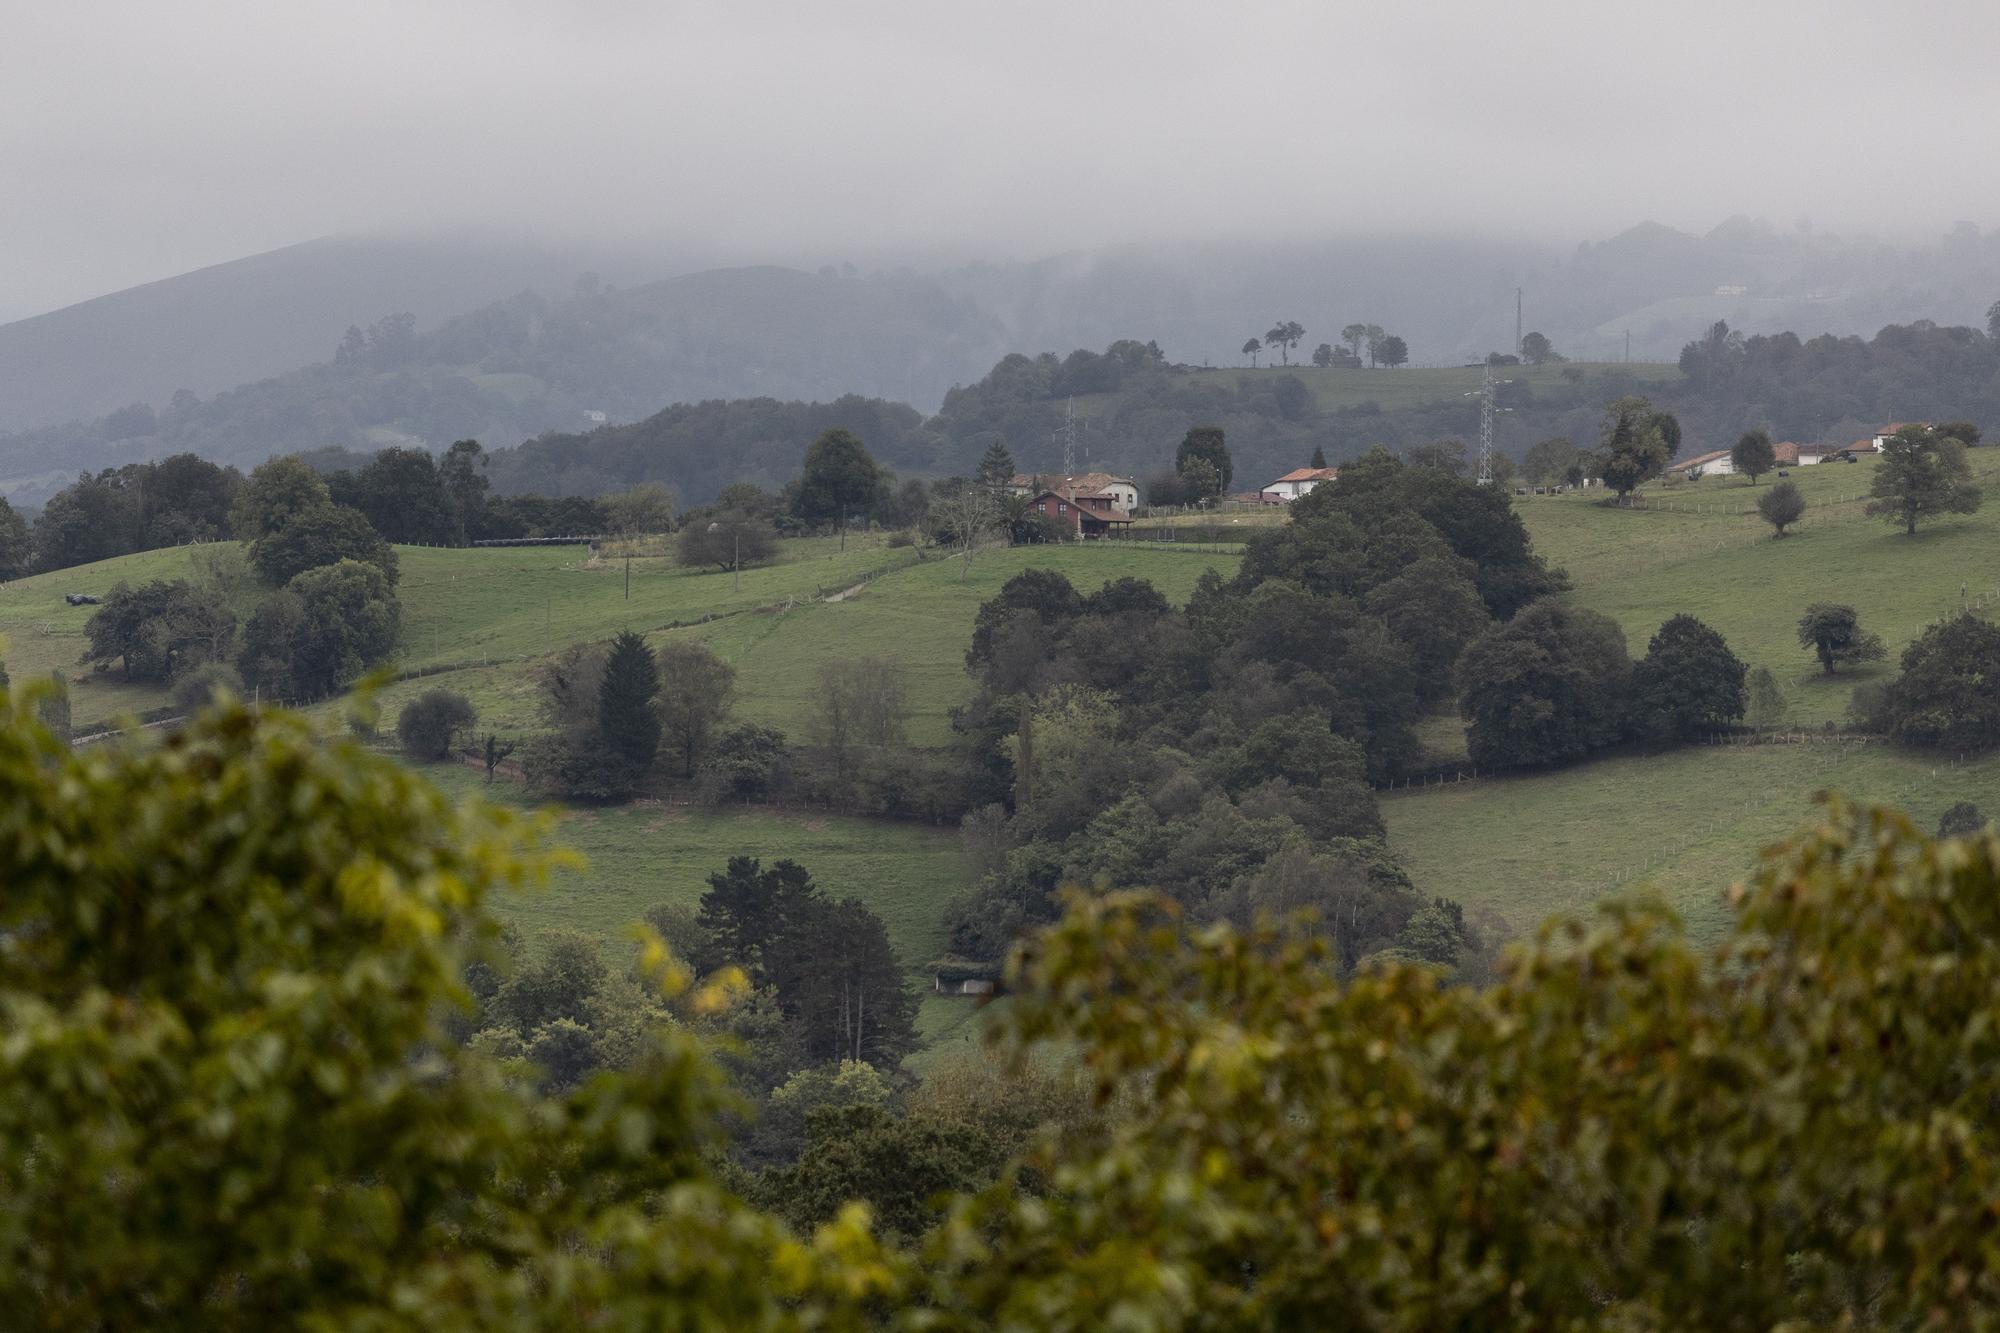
x,y
144,138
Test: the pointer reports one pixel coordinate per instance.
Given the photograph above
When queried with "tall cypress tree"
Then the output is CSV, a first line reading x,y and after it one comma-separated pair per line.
x,y
626,721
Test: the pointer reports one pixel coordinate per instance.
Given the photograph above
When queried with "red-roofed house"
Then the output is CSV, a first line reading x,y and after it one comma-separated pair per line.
x,y
1297,482
1121,491
1874,446
1086,515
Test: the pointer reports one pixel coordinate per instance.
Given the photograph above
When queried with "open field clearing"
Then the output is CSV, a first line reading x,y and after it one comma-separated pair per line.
x,y
1687,823
649,853
1641,566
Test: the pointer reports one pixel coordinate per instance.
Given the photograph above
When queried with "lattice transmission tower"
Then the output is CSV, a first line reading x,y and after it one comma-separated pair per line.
x,y
1484,393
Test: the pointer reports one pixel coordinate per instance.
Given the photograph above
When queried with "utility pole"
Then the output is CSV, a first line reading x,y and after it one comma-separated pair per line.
x,y
628,576
1517,321
1628,346
737,563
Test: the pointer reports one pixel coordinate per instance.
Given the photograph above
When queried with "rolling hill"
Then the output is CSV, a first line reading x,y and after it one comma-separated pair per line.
x,y
235,323
1682,822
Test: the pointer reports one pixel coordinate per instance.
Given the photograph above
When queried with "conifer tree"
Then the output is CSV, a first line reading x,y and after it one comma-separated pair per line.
x,y
996,468
626,721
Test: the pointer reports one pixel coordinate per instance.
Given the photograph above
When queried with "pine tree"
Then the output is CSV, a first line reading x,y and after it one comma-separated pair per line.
x,y
996,468
1319,457
626,722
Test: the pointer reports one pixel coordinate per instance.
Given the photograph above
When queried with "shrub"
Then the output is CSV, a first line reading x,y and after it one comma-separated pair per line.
x,y
198,688
430,723
725,537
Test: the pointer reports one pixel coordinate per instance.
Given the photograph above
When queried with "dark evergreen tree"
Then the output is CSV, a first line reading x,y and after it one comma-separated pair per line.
x,y
746,911
626,721
996,466
16,549
842,986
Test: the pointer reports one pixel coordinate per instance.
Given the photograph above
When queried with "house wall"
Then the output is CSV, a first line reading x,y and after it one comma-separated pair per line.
x,y
1124,496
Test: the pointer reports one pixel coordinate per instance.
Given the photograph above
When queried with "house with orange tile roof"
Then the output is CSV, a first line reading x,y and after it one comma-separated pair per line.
x,y
1297,482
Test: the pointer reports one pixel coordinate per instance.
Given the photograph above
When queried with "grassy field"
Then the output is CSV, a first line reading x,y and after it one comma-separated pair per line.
x,y
644,854
640,855
1687,823
480,618
920,618
1691,822
1709,555
1391,390
43,634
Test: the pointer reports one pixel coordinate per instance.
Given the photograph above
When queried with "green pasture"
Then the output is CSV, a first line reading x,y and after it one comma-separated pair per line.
x,y
1703,550
919,618
1685,823
646,853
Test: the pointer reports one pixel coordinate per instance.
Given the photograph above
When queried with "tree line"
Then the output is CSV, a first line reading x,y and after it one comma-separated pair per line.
x,y
308,1073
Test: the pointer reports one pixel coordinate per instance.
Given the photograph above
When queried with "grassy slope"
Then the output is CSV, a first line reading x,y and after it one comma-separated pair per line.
x,y
487,614
1391,390
921,618
1723,566
43,634
1690,822
1687,823
640,855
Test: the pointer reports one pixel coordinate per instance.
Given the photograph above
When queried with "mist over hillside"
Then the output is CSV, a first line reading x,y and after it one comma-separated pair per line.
x,y
266,314
505,342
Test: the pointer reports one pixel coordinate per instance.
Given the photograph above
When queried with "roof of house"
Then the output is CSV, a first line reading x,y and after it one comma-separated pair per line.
x,y
953,967
1308,474
1103,515
1895,426
1699,460
1085,482
1785,452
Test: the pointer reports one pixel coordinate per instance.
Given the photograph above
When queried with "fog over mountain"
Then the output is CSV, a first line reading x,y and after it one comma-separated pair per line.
x,y
884,197
139,141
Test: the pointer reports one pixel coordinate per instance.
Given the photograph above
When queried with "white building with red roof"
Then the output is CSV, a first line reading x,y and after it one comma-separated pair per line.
x,y
1297,482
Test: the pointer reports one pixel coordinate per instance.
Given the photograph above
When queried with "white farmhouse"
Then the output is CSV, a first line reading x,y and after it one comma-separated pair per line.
x,y
1296,483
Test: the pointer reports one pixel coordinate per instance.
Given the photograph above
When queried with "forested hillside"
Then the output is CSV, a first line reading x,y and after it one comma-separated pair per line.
x,y
427,363
519,367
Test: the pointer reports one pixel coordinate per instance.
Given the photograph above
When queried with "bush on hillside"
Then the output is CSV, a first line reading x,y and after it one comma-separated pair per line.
x,y
200,687
431,722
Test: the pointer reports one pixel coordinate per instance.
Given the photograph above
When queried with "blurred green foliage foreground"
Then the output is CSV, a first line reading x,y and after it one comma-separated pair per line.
x,y
229,1098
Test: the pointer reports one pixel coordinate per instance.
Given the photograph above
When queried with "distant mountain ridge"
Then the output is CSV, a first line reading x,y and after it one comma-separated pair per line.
x,y
505,342
234,323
